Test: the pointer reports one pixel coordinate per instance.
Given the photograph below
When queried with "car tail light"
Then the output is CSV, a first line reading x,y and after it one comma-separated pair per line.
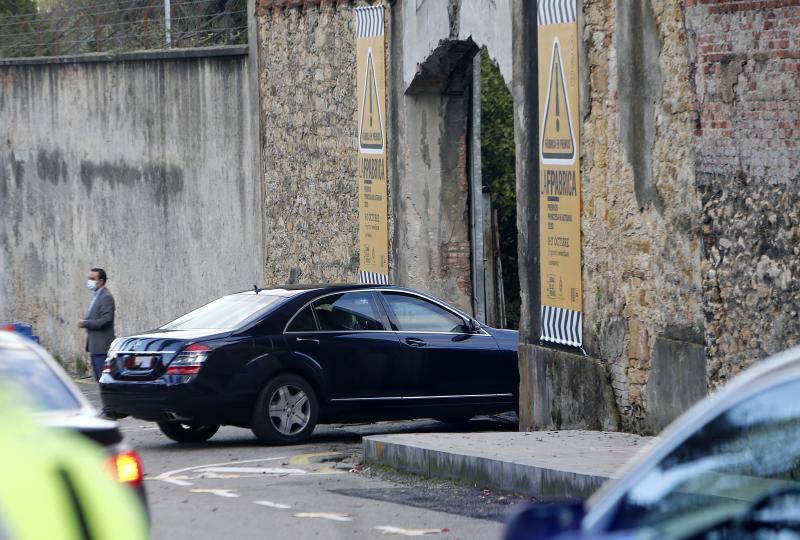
x,y
190,360
107,364
126,467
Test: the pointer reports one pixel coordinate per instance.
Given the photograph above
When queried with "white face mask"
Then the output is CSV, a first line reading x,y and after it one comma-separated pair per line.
x,y
91,285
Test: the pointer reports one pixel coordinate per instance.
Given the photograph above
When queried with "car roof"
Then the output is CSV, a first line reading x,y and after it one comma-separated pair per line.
x,y
295,290
291,290
778,369
12,339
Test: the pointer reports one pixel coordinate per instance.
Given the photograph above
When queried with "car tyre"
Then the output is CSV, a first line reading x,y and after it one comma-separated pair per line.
x,y
286,411
187,433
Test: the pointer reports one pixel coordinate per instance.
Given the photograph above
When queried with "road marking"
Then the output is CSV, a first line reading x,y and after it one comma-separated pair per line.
x,y
140,428
216,476
170,478
251,470
273,505
388,529
228,493
177,480
304,459
324,515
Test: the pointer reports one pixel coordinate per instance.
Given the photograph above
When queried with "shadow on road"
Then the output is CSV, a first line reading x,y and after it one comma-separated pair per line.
x,y
345,434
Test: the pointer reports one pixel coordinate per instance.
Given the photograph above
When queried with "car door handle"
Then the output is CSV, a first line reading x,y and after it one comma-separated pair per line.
x,y
415,342
308,340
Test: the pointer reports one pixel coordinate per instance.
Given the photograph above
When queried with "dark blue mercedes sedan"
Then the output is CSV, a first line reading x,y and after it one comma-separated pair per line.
x,y
279,361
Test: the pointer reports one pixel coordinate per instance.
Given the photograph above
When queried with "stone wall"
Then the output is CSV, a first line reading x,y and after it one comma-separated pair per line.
x,y
641,210
308,131
145,166
746,72
691,177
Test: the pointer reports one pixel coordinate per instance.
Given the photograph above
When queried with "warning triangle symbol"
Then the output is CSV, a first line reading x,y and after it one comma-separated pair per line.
x,y
370,125
558,140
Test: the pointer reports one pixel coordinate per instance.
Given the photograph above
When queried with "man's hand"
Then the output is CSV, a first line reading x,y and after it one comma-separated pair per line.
x,y
82,323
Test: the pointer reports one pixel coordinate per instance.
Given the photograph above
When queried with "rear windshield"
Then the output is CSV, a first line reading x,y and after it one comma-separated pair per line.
x,y
24,370
226,313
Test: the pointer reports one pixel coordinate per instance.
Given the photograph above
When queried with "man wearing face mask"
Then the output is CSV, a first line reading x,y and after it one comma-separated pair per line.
x,y
99,321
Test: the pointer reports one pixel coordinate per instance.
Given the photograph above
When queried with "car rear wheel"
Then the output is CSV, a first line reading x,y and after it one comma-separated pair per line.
x,y
286,411
187,433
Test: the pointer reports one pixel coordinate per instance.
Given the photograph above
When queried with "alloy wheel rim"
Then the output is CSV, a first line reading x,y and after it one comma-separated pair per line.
x,y
289,409
190,427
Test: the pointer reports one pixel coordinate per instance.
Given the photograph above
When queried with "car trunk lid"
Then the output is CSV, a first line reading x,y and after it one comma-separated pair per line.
x,y
146,356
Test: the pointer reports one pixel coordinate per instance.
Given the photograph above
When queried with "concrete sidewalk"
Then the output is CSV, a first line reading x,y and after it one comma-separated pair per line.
x,y
546,465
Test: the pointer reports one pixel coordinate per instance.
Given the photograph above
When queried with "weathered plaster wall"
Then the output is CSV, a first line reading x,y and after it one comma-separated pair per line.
x,y
145,168
432,246
430,173
431,73
428,23
746,71
641,210
308,112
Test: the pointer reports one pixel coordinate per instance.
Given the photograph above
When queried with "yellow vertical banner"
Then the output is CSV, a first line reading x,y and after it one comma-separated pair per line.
x,y
559,173
373,190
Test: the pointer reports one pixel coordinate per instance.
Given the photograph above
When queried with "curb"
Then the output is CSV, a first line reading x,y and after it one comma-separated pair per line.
x,y
539,482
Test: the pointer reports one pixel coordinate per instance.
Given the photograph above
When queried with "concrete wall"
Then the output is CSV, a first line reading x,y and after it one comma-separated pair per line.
x,y
144,167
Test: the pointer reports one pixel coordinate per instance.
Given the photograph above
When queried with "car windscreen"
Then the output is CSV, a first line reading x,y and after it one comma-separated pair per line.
x,y
23,370
739,464
226,313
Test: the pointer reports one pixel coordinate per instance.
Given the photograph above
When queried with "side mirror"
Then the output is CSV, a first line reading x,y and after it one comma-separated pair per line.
x,y
473,326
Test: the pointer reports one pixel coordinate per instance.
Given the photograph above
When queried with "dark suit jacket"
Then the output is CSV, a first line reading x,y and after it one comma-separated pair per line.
x,y
100,323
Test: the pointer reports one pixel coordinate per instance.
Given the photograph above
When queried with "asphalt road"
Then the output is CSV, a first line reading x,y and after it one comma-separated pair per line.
x,y
233,488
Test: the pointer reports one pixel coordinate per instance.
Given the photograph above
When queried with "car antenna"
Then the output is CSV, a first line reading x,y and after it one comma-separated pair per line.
x,y
256,289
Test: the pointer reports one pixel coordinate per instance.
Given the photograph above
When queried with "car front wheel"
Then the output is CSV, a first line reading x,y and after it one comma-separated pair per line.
x,y
286,411
187,433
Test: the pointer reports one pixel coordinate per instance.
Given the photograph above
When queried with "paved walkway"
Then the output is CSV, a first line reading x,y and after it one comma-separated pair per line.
x,y
546,465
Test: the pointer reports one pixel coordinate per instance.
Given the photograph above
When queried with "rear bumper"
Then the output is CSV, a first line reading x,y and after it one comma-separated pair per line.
x,y
159,402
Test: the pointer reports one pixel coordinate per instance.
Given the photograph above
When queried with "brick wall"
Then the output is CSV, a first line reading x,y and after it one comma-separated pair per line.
x,y
746,74
458,259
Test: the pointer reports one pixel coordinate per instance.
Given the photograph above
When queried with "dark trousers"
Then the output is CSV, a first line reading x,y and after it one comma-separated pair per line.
x,y
97,364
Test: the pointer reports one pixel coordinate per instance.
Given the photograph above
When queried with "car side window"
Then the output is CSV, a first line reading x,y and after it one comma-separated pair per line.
x,y
414,314
348,311
303,321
